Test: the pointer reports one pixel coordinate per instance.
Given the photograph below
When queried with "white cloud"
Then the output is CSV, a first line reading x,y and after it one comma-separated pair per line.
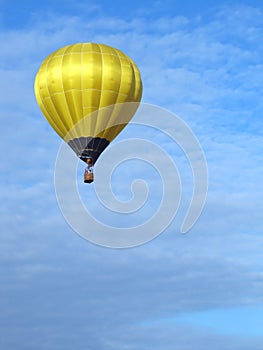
x,y
209,74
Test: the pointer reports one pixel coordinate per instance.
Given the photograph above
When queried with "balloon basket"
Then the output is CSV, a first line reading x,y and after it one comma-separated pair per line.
x,y
88,178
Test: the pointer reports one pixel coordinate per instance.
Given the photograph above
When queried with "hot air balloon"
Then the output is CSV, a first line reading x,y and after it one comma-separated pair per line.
x,y
83,90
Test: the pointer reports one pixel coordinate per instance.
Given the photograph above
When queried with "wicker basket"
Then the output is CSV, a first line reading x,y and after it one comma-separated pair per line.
x,y
88,177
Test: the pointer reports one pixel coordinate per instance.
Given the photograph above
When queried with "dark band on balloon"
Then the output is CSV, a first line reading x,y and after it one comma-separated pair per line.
x,y
89,146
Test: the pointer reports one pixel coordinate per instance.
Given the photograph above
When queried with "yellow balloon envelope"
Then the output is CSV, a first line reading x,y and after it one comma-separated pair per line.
x,y
82,90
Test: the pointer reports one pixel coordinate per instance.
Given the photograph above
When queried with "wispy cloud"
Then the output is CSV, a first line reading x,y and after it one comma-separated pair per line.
x,y
207,71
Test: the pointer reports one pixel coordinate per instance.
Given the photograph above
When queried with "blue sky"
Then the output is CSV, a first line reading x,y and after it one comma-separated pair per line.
x,y
201,60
